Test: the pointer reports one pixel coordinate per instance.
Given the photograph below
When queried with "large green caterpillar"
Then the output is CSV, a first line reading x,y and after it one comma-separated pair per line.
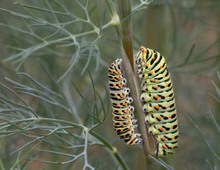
x,y
123,116
158,99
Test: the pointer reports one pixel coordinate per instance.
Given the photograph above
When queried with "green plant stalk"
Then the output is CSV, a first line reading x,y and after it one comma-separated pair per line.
x,y
126,28
127,55
129,71
1,165
112,149
136,101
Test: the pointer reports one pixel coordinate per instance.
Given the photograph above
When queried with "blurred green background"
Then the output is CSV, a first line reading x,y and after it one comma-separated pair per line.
x,y
68,45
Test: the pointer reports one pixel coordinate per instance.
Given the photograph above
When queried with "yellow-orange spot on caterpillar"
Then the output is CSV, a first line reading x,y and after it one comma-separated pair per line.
x,y
120,85
151,72
122,95
164,146
163,138
156,87
159,117
131,139
156,97
127,111
147,65
161,129
153,80
157,107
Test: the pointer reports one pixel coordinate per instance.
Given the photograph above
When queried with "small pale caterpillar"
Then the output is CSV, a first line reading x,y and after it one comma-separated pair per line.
x,y
123,116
